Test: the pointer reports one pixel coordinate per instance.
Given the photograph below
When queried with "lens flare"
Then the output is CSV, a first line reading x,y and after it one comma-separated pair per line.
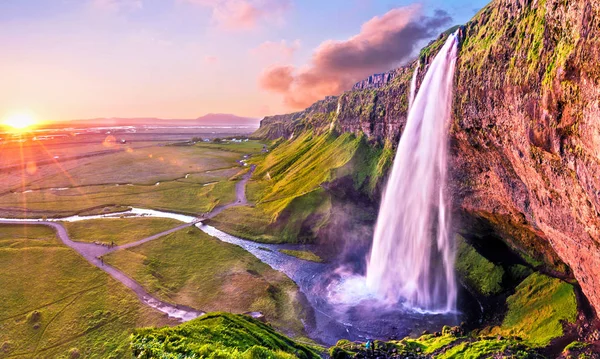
x,y
19,122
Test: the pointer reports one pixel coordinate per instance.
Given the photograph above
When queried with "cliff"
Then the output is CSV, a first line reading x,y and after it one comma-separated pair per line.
x,y
525,137
376,81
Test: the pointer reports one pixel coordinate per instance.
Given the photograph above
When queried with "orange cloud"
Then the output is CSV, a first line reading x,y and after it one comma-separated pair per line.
x,y
245,14
383,43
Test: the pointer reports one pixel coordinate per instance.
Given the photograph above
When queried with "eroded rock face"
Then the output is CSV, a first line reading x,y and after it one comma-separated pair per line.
x,y
377,80
527,128
525,138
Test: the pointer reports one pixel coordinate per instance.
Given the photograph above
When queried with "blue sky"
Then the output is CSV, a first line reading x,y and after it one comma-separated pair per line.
x,y
65,59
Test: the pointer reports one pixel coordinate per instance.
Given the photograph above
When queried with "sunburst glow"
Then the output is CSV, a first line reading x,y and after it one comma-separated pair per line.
x,y
19,122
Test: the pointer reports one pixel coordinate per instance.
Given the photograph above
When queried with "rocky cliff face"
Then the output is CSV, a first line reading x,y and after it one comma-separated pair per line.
x,y
525,135
376,81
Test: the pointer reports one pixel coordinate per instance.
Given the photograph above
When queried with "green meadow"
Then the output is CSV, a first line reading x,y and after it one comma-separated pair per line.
x,y
118,230
192,268
189,179
54,304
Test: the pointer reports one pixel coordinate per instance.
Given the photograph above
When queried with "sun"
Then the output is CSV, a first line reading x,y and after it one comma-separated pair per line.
x,y
19,122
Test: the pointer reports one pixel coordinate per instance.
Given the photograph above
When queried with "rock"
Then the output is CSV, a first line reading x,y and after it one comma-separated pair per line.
x,y
376,81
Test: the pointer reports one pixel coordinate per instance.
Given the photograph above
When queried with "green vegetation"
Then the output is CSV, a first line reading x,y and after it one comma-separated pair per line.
x,y
245,222
535,55
189,179
486,348
450,344
240,148
298,167
170,196
305,255
19,236
537,309
291,203
576,346
118,230
211,176
54,303
218,335
478,273
191,268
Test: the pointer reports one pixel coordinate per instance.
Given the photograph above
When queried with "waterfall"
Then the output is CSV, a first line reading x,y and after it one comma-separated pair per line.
x,y
412,258
413,85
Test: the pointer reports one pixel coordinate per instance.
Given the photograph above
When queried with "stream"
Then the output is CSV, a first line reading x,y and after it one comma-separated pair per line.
x,y
341,307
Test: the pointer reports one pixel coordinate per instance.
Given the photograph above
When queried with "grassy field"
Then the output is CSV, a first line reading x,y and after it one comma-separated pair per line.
x,y
170,196
189,179
243,147
118,230
191,268
53,304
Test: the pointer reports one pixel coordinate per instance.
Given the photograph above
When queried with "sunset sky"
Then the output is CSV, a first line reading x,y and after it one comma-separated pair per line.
x,y
73,59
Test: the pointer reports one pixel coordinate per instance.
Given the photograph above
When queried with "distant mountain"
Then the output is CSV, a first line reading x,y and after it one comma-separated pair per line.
x,y
211,119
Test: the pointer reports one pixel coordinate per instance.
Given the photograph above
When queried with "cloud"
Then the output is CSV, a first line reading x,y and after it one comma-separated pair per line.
x,y
117,5
383,43
271,50
280,79
245,14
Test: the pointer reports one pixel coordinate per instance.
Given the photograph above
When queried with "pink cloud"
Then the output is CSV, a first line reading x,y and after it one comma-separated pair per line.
x,y
272,50
382,44
245,14
280,79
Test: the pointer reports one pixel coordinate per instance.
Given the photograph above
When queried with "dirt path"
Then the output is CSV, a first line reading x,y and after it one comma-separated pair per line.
x,y
240,193
93,253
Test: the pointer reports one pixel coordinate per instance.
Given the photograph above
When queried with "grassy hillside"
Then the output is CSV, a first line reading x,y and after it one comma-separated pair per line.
x,y
218,335
290,187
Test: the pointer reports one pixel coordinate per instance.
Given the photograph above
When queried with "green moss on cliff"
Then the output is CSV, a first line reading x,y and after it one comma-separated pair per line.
x,y
477,273
444,346
218,335
489,348
538,51
537,310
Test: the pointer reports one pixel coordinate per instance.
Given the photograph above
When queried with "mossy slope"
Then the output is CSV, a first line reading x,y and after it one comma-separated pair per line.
x,y
290,187
218,335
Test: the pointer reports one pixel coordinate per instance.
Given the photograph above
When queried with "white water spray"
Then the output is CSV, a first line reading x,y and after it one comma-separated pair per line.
x,y
413,252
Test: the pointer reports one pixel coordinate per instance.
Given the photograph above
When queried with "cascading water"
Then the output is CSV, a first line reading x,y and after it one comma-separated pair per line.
x,y
412,259
413,86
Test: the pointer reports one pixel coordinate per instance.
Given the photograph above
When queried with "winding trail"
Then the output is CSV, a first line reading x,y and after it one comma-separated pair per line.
x,y
93,252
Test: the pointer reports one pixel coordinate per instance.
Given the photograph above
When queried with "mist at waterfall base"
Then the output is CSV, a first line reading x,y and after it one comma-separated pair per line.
x,y
409,284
